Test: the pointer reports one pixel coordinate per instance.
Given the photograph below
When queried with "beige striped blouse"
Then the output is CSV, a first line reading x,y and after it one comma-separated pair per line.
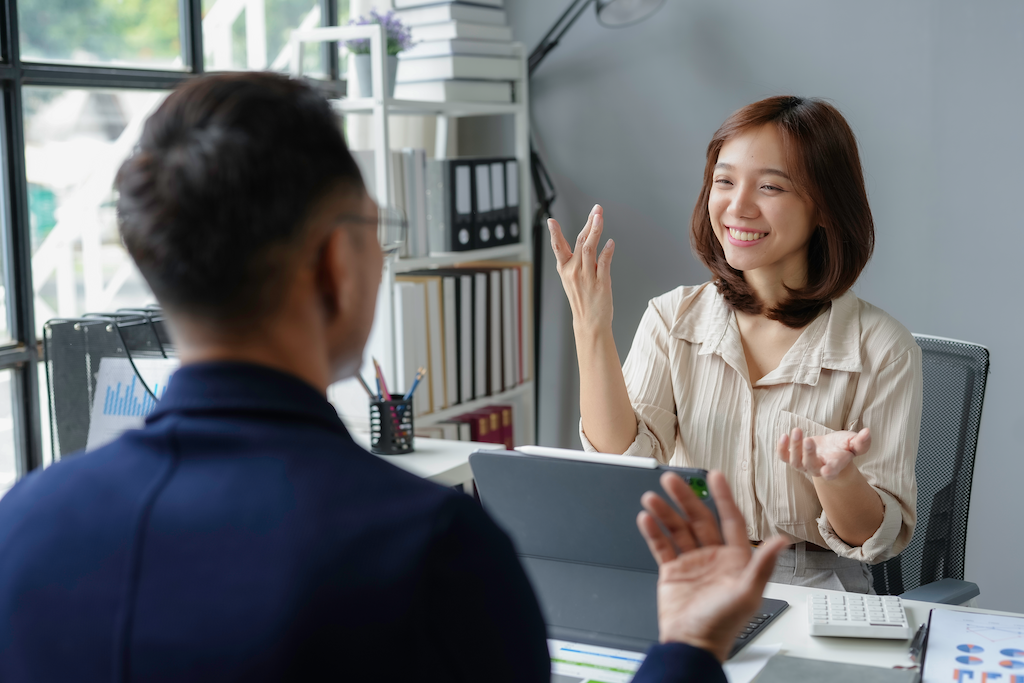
x,y
854,366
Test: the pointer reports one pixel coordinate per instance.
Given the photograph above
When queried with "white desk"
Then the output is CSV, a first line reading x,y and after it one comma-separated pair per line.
x,y
791,630
439,460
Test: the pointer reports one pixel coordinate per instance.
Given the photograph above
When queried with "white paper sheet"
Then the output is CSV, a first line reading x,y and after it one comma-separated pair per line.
x,y
965,646
577,661
121,402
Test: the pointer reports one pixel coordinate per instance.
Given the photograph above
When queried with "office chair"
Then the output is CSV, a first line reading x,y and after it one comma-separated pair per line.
x,y
931,568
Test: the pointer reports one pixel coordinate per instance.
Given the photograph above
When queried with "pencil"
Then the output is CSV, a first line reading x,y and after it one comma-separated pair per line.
x,y
369,392
385,394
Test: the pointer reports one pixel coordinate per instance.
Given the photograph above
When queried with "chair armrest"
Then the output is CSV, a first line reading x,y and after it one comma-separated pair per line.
x,y
945,591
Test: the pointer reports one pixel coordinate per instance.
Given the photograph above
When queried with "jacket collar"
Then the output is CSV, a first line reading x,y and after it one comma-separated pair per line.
x,y
234,387
831,341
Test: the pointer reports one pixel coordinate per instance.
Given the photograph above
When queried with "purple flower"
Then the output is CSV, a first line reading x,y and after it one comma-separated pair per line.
x,y
399,36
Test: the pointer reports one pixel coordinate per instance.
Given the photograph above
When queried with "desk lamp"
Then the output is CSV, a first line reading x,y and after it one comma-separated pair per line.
x,y
610,14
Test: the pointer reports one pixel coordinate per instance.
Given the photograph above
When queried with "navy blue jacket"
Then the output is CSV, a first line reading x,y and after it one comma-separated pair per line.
x,y
243,535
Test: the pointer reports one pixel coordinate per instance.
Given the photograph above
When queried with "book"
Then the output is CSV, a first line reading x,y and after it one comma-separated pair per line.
x,y
466,330
458,66
481,332
451,30
462,430
494,338
410,335
498,92
413,171
509,331
404,4
450,315
452,11
432,386
457,46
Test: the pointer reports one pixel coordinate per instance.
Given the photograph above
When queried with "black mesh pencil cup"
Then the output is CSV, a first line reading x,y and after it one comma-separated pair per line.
x,y
391,427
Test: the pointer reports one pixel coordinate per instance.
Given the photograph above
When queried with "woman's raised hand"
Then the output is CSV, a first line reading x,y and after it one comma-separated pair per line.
x,y
586,277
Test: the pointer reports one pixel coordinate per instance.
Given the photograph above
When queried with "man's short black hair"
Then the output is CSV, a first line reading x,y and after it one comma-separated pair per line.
x,y
215,197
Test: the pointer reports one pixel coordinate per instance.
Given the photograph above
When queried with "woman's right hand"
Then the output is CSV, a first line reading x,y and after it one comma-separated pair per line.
x,y
586,277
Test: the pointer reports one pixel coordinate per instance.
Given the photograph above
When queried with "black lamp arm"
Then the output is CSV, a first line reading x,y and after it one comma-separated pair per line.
x,y
555,33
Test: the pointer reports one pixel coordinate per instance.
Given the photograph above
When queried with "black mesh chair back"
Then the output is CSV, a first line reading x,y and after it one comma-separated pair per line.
x,y
73,349
955,373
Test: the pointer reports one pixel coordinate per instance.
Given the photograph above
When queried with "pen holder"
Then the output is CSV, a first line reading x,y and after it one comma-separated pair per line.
x,y
391,427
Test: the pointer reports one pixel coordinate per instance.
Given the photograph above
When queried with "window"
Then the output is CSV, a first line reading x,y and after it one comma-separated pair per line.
x,y
75,140
253,34
79,79
139,33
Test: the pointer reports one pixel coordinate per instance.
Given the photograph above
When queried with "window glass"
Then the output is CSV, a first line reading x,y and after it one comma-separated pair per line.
x,y
142,33
75,140
253,34
8,467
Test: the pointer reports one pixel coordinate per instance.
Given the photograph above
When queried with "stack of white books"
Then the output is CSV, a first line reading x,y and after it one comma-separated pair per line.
x,y
462,52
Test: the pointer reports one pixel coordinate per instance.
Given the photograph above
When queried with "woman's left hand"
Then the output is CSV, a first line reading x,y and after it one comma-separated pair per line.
x,y
822,456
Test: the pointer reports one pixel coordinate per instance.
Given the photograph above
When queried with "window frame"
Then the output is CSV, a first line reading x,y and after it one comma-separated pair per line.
x,y
24,351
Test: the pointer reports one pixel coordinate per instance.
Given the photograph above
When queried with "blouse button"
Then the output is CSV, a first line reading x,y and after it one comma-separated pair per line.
x,y
744,465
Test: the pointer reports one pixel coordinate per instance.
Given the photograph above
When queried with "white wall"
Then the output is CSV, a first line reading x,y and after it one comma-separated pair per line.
x,y
934,90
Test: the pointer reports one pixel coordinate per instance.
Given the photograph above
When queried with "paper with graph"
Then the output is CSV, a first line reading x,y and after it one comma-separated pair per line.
x,y
967,646
121,402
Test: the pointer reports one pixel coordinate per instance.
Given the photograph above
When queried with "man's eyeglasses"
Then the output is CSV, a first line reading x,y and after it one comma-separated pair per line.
x,y
392,228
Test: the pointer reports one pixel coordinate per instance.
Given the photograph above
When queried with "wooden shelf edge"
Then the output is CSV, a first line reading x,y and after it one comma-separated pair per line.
x,y
526,388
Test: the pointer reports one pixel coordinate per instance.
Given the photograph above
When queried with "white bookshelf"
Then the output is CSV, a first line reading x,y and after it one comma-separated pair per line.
x,y
380,107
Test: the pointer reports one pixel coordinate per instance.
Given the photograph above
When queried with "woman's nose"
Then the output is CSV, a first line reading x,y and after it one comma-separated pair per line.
x,y
743,204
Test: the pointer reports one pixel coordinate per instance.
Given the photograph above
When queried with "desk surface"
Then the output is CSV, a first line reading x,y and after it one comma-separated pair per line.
x,y
791,630
439,460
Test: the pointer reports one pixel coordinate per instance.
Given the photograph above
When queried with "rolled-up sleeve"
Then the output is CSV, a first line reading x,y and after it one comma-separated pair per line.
x,y
648,375
893,413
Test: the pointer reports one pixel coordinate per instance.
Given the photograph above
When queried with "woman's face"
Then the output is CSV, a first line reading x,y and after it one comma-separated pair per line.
x,y
758,216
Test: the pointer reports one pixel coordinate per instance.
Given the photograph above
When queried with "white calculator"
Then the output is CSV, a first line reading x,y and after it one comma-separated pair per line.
x,y
851,615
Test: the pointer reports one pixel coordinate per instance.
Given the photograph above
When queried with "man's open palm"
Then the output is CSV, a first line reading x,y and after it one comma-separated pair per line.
x,y
708,591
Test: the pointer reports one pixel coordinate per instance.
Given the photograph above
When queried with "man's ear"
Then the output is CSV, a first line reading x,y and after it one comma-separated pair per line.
x,y
332,274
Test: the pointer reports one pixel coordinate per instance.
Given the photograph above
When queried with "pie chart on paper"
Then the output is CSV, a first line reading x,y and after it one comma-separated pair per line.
x,y
1010,652
1011,664
967,659
974,649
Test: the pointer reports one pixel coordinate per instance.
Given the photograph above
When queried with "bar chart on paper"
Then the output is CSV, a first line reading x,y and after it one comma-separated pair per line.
x,y
121,401
132,400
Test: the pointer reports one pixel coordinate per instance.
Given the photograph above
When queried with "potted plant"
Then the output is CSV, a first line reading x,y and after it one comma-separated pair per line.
x,y
399,38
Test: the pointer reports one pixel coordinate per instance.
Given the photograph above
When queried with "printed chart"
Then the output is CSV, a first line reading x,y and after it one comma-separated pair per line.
x,y
121,401
576,663
982,648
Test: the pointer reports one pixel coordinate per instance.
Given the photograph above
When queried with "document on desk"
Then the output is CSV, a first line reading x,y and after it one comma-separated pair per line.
x,y
577,662
967,646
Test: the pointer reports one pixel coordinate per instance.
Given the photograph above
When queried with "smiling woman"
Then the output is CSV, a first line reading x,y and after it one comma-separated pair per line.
x,y
807,398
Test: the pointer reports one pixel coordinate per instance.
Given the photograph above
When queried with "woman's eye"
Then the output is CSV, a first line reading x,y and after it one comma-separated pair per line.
x,y
771,188
723,181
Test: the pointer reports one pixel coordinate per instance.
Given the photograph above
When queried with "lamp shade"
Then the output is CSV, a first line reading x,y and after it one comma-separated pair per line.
x,y
620,13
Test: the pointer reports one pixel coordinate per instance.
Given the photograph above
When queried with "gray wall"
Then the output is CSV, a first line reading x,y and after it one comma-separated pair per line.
x,y
933,90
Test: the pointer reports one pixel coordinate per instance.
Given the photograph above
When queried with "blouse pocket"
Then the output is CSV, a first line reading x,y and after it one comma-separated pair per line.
x,y
795,500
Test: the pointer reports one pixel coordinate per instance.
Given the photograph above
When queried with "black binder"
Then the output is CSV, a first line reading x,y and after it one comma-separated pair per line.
x,y
450,205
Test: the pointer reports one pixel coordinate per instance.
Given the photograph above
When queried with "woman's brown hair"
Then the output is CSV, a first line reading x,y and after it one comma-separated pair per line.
x,y
824,163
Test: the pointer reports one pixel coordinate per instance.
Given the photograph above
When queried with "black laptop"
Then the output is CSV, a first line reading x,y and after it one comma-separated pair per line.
x,y
572,517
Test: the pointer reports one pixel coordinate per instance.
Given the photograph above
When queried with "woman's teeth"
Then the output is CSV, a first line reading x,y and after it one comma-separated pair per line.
x,y
746,236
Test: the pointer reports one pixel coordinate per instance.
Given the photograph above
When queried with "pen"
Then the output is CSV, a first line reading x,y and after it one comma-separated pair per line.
x,y
420,374
917,644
